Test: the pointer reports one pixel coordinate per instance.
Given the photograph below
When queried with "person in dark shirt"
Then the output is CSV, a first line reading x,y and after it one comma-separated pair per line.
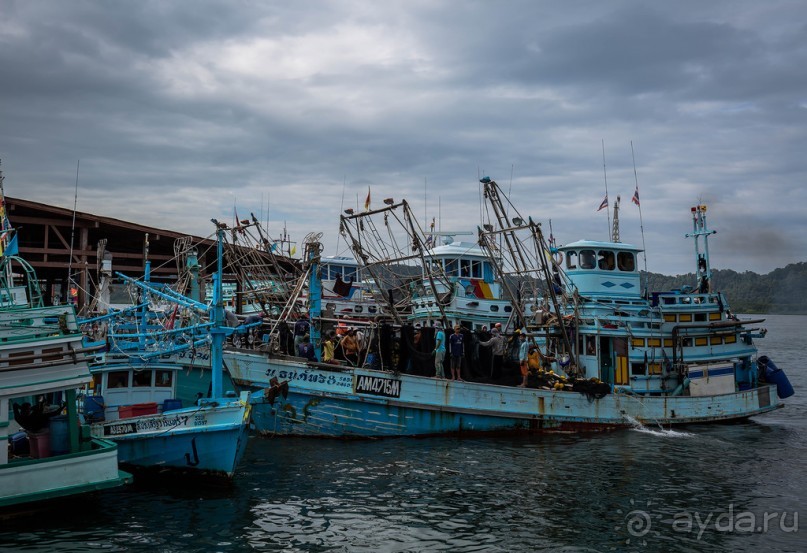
x,y
300,330
457,351
306,349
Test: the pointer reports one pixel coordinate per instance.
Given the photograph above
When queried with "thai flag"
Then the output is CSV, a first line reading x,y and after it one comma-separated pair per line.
x,y
635,198
604,203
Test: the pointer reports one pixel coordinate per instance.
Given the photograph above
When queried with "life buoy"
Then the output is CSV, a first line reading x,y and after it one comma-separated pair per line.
x,y
557,257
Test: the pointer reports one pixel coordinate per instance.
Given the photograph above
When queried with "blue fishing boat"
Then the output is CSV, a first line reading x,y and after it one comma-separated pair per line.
x,y
607,354
134,398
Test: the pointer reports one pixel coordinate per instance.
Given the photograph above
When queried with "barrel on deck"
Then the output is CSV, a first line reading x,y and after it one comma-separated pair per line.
x,y
39,442
59,435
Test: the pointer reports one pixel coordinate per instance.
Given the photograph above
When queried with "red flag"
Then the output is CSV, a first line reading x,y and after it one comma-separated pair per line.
x,y
635,198
367,200
604,203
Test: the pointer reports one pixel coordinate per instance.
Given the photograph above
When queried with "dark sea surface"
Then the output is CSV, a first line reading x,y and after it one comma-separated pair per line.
x,y
737,487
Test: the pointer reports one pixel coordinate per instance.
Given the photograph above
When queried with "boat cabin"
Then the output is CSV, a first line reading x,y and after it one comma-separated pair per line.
x,y
601,268
127,390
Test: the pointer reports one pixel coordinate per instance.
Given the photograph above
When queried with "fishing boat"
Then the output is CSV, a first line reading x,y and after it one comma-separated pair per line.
x,y
42,364
610,354
134,400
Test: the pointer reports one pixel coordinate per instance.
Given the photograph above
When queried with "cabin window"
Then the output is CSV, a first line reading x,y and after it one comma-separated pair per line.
x,y
451,267
654,342
476,269
52,354
605,260
626,261
117,379
96,382
487,272
350,274
508,308
655,368
716,340
700,317
571,260
334,273
162,379
142,378
587,259
465,268
638,368
591,345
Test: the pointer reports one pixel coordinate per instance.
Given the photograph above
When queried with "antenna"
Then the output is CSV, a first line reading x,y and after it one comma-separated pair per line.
x,y
605,177
72,236
641,223
341,207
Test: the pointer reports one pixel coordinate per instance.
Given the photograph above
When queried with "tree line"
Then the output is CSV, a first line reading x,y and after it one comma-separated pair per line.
x,y
782,291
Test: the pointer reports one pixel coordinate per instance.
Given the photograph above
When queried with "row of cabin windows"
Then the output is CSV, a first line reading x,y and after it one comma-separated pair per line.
x,y
690,317
589,347
29,357
605,260
140,379
463,268
687,342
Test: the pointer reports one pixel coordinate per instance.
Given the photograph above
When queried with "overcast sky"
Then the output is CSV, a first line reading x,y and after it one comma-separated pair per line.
x,y
178,111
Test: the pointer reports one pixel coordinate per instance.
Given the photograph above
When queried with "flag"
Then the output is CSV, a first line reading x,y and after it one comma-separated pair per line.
x,y
293,250
367,200
604,203
635,198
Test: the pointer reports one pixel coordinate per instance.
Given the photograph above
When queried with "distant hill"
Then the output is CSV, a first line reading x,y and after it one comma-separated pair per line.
x,y
782,291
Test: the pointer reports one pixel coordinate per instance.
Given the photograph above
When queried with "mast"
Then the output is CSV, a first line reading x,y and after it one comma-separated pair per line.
x,y
703,269
217,332
313,251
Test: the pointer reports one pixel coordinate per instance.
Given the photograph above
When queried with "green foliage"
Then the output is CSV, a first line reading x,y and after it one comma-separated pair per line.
x,y
782,291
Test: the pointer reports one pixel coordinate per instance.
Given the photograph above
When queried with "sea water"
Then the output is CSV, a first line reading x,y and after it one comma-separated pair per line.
x,y
728,487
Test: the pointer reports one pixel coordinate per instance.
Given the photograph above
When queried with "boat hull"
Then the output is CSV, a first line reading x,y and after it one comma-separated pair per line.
x,y
367,403
28,481
207,439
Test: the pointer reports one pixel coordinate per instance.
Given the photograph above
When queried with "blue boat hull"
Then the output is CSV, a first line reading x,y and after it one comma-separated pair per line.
x,y
367,403
214,452
206,439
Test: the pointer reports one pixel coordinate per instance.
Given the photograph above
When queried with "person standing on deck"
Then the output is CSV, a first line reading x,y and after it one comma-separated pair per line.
x,y
523,358
457,351
439,352
300,330
350,347
328,347
498,346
